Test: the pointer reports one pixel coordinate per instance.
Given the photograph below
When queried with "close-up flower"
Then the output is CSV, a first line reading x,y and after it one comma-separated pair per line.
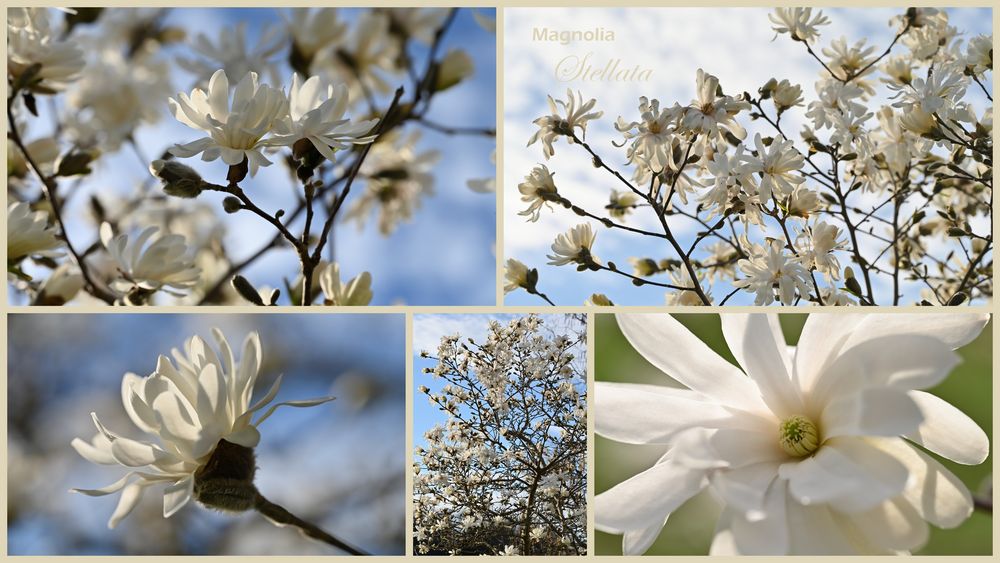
x,y
577,114
537,190
29,233
318,116
800,23
151,261
201,414
770,268
574,247
810,447
35,47
357,291
235,125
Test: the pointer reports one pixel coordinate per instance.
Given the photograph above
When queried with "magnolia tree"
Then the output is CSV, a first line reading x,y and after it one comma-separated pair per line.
x,y
505,475
886,191
345,120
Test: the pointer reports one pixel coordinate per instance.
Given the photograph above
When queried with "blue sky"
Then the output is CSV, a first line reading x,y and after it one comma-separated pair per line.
x,y
326,462
735,44
423,262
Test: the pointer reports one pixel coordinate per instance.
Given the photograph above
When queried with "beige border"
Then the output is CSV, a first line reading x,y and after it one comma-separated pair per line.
x,y
5,309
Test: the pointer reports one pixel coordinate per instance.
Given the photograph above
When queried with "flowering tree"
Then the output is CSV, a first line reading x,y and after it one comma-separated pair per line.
x,y
902,192
822,448
506,473
345,121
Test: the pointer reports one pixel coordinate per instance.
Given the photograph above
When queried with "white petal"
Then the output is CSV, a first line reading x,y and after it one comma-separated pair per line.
x,y
649,414
938,495
177,495
671,347
248,437
847,473
300,404
107,490
813,530
743,489
758,344
893,525
948,432
951,329
646,499
707,448
764,536
97,450
876,411
903,362
128,500
133,453
636,542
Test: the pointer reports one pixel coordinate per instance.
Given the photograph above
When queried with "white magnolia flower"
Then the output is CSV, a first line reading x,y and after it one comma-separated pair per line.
x,y
399,177
313,31
769,268
515,275
192,409
320,120
358,291
649,138
554,125
113,97
62,285
684,297
538,189
621,203
979,54
235,127
711,114
786,95
574,246
798,22
233,54
164,263
29,233
817,246
34,43
419,23
849,59
368,55
778,165
812,449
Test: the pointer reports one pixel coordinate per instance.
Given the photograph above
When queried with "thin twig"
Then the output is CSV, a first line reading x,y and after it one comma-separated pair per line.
x,y
282,517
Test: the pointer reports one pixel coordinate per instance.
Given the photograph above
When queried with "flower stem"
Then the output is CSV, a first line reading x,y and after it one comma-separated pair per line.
x,y
281,517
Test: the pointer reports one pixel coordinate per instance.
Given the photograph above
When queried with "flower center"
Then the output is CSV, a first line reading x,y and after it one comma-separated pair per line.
x,y
798,436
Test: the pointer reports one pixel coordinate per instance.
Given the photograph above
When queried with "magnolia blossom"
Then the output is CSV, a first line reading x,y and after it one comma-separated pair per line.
x,y
314,30
515,275
778,165
162,264
684,297
771,267
798,22
367,56
399,176
320,121
649,137
786,95
233,54
537,189
358,291
818,245
574,246
29,233
236,126
554,125
621,203
190,409
35,43
712,114
811,450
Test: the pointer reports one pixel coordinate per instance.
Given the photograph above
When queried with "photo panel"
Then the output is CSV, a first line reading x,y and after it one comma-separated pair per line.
x,y
748,156
175,434
251,156
500,434
793,434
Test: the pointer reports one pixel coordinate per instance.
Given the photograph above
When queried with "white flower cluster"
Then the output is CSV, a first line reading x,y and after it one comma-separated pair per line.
x,y
512,447
872,185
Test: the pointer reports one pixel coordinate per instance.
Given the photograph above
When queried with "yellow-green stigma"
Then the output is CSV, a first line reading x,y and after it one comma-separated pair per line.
x,y
798,436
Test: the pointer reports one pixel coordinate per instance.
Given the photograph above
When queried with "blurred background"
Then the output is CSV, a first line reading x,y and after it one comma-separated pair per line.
x,y
339,465
737,45
460,271
689,530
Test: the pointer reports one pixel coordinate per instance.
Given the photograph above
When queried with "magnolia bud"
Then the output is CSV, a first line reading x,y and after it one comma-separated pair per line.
x,y
453,68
